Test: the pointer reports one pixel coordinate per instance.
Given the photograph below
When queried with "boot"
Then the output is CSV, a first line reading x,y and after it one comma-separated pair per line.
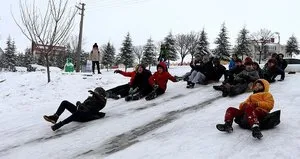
x,y
128,98
225,127
51,118
225,92
57,126
151,96
218,88
192,85
256,132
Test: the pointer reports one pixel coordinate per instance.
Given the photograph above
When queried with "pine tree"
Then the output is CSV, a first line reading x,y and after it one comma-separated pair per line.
x,y
28,57
9,54
223,45
169,43
127,52
243,43
108,55
292,46
202,46
149,55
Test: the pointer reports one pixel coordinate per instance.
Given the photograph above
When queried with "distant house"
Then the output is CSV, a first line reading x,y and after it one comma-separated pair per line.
x,y
37,50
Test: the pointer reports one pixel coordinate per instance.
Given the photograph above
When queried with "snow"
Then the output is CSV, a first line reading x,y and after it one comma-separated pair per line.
x,y
179,124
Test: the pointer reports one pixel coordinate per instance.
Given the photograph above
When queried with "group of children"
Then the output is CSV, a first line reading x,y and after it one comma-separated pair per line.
x,y
144,84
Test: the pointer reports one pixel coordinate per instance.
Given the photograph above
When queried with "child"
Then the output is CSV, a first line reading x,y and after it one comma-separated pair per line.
x,y
159,81
82,112
256,107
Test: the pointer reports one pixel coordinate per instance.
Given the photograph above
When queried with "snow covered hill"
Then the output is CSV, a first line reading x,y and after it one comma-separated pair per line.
x,y
179,124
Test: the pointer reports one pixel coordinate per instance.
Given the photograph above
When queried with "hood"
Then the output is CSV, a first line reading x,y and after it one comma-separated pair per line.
x,y
163,65
265,83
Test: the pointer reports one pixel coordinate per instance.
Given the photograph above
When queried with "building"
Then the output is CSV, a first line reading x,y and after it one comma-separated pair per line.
x,y
38,49
271,47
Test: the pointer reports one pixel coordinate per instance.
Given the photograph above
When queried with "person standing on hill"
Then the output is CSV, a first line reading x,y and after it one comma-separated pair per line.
x,y
95,57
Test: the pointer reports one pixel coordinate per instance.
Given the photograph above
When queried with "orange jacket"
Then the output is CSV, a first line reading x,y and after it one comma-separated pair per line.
x,y
263,100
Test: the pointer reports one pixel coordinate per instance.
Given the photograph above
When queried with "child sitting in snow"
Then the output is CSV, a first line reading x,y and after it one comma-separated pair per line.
x,y
255,108
159,81
82,112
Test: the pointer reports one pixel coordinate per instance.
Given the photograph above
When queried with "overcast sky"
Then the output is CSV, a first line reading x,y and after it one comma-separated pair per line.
x,y
110,20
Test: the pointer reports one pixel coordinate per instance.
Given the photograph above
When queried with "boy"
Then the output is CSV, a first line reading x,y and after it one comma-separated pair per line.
x,y
256,107
159,81
82,112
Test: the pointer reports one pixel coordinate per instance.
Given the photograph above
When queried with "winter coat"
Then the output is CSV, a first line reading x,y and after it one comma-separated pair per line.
x,y
92,104
95,55
207,68
129,74
231,64
246,76
263,100
141,82
217,72
161,79
282,64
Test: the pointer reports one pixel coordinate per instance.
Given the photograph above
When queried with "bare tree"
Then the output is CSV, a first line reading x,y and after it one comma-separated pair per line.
x,y
260,39
186,43
50,28
182,45
138,52
193,39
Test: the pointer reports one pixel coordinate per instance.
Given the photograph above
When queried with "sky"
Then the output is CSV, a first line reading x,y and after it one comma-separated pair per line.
x,y
179,124
110,20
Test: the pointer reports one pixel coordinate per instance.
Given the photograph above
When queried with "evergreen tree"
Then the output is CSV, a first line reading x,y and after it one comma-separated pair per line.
x,y
61,59
243,43
202,46
127,52
292,46
9,55
149,55
169,43
108,55
223,45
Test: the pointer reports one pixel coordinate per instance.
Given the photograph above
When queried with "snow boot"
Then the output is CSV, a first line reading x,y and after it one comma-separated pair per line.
x,y
51,118
225,127
218,88
128,98
256,132
57,126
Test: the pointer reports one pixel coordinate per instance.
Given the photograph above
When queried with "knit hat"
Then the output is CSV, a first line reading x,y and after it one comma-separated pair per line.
x,y
248,61
95,45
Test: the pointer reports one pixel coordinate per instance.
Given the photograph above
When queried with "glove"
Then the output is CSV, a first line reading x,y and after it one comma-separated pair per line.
x,y
117,71
78,103
177,78
155,86
133,90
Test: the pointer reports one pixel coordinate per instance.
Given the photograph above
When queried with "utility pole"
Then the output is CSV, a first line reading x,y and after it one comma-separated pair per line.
x,y
80,37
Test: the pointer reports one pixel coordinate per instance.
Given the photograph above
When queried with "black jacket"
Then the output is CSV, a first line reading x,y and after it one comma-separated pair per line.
x,y
141,81
92,104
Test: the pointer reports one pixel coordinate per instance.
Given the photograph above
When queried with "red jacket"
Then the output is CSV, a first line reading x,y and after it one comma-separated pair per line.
x,y
161,79
129,74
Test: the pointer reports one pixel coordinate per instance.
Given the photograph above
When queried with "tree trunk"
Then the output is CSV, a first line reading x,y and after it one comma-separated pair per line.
x,y
192,57
259,56
47,65
107,67
149,66
181,61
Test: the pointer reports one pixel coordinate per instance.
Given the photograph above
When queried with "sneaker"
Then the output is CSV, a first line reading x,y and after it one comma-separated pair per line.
x,y
281,80
256,132
225,127
57,126
51,118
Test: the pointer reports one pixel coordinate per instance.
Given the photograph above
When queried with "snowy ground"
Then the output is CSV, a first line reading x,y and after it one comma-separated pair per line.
x,y
179,124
